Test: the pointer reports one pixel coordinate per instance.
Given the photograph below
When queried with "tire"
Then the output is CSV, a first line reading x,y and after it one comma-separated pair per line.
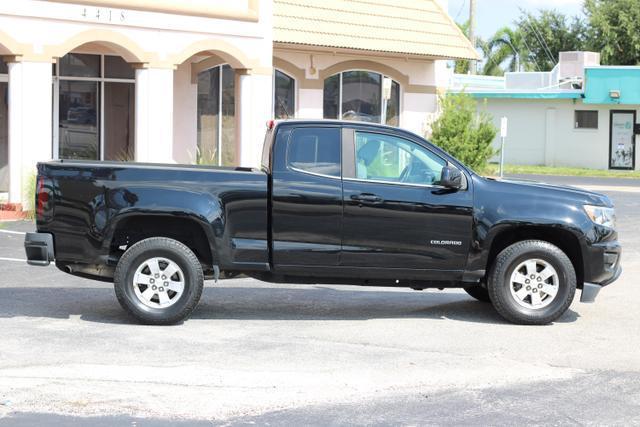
x,y
150,296
478,292
521,289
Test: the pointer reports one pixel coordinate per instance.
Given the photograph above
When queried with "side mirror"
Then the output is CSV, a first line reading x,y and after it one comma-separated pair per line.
x,y
451,177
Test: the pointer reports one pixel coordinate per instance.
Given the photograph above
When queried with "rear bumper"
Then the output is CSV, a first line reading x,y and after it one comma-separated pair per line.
x,y
39,248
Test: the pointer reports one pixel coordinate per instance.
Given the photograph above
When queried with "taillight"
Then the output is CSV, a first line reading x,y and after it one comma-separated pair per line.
x,y
42,198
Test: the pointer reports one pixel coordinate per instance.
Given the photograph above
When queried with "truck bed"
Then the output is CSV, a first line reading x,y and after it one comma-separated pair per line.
x,y
98,209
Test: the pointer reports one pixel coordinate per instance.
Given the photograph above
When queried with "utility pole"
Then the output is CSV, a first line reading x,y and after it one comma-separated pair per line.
x,y
472,32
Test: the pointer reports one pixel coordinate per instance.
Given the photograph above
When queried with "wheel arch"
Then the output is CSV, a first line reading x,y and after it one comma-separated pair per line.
x,y
190,230
564,239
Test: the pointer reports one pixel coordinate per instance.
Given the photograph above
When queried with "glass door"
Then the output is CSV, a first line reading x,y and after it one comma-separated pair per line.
x,y
622,145
94,108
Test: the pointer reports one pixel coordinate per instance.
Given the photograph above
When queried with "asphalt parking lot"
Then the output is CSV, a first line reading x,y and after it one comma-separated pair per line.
x,y
257,353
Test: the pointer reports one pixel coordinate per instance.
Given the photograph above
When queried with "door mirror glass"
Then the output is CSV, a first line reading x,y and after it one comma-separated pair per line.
x,y
451,177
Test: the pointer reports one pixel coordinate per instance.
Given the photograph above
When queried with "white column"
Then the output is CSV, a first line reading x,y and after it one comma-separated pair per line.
x,y
255,110
30,115
154,115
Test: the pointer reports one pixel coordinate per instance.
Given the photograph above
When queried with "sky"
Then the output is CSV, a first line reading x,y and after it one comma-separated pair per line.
x,y
494,14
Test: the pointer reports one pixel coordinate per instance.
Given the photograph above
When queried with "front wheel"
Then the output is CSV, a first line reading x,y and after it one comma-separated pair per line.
x,y
159,281
532,282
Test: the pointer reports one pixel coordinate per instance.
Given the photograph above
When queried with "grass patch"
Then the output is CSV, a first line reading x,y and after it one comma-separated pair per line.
x,y
494,170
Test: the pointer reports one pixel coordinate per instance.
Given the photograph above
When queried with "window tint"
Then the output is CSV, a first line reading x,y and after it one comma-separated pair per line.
x,y
117,68
284,96
315,150
361,96
331,97
393,105
586,119
388,158
80,65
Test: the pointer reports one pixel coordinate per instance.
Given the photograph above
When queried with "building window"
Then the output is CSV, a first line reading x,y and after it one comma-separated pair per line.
x,y
216,117
586,119
4,127
362,95
284,99
94,111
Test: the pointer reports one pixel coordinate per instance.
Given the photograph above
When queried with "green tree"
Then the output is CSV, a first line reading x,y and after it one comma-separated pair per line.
x,y
547,34
506,51
614,30
464,132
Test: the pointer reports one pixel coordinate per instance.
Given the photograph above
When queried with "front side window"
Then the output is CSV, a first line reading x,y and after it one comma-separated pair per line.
x,y
284,101
360,95
315,150
387,158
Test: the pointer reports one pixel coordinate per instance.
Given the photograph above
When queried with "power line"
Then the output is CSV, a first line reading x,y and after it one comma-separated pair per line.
x,y
464,2
543,41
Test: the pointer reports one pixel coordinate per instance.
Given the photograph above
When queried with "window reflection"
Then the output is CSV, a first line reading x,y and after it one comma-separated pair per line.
x,y
216,101
119,121
358,95
80,65
4,137
81,85
361,95
78,120
284,96
393,106
331,97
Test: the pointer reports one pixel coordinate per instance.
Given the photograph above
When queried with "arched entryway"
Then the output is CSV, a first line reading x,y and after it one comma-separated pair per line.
x,y
206,104
94,97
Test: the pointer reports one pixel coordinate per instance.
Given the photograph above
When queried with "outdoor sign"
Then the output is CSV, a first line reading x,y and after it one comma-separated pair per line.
x,y
503,127
622,142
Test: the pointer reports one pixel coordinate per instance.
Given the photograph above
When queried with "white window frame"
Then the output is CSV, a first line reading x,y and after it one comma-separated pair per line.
x,y
101,80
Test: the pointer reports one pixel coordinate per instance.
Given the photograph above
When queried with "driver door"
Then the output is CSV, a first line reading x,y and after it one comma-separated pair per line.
x,y
396,215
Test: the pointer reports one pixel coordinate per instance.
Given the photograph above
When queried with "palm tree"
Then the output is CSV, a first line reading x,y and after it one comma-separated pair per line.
x,y
505,51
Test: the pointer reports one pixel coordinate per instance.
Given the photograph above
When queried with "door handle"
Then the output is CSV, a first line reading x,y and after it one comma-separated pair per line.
x,y
366,198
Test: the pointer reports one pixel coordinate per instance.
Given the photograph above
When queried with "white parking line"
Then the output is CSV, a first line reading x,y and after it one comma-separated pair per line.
x,y
12,232
13,259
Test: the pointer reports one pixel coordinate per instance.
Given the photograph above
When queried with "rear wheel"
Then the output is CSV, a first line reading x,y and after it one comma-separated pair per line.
x,y
159,281
532,282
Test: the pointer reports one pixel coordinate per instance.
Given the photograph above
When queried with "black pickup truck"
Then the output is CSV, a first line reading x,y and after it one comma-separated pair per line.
x,y
334,202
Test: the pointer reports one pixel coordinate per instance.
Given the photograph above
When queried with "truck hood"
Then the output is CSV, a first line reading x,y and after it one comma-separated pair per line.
x,y
527,188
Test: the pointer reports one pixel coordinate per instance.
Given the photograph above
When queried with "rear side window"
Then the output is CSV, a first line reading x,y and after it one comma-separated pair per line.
x,y
315,150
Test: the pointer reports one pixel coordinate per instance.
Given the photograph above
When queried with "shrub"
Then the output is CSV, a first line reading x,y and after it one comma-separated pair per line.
x,y
464,132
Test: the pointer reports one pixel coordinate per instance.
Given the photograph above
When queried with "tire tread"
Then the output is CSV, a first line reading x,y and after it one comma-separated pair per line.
x,y
154,243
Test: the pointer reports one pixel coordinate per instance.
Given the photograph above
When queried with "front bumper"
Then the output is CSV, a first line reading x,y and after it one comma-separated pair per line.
x,y
602,262
39,248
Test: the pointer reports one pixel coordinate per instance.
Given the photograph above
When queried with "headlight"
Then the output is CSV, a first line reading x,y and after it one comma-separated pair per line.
x,y
601,215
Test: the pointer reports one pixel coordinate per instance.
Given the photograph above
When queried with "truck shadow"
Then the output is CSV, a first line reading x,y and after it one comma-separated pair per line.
x,y
99,304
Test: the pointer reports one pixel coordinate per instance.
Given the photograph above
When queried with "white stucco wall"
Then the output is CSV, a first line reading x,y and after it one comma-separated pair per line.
x,y
185,111
542,132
